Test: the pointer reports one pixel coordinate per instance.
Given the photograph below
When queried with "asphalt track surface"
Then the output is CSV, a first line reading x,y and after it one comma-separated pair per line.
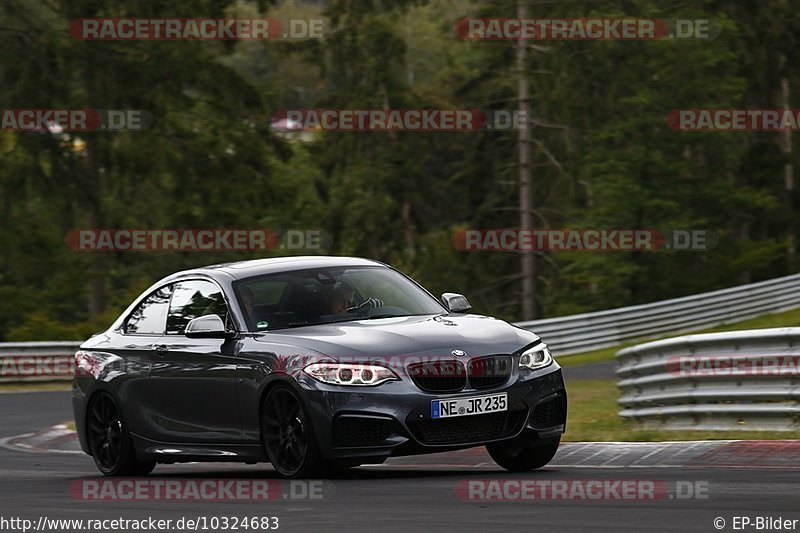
x,y
419,493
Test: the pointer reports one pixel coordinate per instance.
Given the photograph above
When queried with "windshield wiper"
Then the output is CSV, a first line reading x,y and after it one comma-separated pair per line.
x,y
287,326
347,319
387,315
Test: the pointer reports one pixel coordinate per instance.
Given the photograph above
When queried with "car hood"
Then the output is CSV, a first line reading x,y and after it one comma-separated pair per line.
x,y
418,335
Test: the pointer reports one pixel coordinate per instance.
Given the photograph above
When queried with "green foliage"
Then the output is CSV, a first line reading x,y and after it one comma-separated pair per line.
x,y
603,154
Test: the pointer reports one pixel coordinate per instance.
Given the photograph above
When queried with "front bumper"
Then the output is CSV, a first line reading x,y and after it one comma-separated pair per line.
x,y
370,424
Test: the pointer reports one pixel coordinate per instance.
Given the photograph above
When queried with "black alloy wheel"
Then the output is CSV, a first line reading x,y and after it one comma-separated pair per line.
x,y
288,435
109,440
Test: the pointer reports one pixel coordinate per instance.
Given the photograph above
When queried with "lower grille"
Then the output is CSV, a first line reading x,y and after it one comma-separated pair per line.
x,y
465,429
550,413
356,431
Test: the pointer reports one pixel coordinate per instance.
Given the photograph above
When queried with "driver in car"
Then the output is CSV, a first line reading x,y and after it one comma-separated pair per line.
x,y
339,297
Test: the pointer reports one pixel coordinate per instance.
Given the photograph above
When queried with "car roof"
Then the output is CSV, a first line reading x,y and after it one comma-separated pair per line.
x,y
273,265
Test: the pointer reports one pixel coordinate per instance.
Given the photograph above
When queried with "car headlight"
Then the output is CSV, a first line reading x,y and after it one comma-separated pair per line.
x,y
350,374
537,357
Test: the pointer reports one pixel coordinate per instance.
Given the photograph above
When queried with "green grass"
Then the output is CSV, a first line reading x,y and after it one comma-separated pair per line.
x,y
593,416
593,403
35,387
777,320
596,356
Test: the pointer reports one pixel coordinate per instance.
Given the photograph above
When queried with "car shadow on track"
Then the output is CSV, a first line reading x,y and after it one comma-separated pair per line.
x,y
355,474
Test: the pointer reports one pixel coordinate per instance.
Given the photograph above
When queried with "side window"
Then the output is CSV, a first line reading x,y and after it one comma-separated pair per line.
x,y
151,315
192,299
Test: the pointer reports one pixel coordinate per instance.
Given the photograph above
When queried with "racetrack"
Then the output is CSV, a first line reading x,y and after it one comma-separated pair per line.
x,y
419,493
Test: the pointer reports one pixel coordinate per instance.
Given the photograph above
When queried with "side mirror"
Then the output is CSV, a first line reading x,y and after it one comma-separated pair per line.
x,y
456,303
207,327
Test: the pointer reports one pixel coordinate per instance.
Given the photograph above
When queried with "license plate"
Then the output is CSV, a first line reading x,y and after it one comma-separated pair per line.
x,y
476,405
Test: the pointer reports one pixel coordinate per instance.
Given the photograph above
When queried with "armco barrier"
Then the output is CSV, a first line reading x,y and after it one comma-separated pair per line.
x,y
590,331
565,335
740,380
37,361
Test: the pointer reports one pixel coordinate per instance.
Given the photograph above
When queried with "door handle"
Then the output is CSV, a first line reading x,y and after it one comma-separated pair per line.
x,y
159,349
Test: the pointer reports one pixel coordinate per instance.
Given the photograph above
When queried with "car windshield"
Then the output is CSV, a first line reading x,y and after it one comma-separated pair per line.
x,y
329,295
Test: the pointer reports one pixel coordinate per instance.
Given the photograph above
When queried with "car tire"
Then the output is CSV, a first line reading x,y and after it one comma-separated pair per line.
x,y
516,457
110,440
287,434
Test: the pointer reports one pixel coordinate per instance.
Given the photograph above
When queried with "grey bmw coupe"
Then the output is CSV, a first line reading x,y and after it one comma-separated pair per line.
x,y
311,363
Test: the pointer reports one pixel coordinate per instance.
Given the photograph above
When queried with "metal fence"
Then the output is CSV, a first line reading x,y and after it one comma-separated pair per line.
x,y
740,380
591,331
37,361
30,361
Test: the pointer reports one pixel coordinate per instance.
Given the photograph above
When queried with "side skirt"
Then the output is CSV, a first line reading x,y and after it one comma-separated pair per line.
x,y
170,452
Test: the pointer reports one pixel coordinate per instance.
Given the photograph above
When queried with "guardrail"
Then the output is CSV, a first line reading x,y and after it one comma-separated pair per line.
x,y
32,361
740,380
37,361
591,331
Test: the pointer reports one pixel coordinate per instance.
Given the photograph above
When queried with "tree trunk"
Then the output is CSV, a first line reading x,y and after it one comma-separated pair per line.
x,y
98,270
408,229
788,178
525,174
